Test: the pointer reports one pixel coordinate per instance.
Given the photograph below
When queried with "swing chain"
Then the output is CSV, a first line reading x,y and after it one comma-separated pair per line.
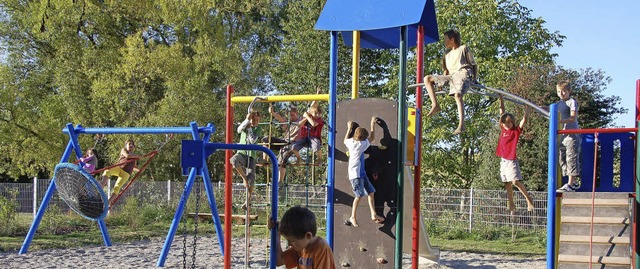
x,y
184,243
195,225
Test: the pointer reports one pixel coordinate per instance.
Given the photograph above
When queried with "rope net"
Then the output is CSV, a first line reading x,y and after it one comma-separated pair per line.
x,y
80,191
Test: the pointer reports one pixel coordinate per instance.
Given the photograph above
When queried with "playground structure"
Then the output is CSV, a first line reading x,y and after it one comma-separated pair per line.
x,y
386,26
603,228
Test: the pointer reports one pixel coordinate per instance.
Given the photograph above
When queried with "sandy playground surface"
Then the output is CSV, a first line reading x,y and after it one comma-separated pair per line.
x,y
145,254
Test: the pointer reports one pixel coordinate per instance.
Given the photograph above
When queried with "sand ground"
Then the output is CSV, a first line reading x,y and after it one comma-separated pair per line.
x,y
145,254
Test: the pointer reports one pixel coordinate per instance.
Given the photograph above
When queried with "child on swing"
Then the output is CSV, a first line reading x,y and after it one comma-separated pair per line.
x,y
123,172
89,160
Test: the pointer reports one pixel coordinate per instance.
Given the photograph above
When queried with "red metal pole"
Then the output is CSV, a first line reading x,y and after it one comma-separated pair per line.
x,y
415,245
227,180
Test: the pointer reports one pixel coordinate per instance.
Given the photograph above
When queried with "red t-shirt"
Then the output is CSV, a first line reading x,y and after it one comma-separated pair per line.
x,y
508,143
312,131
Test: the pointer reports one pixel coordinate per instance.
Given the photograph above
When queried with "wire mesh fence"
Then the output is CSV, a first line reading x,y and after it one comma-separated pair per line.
x,y
460,207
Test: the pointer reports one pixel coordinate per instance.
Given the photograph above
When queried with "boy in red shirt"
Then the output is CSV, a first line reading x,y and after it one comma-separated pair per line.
x,y
310,133
507,145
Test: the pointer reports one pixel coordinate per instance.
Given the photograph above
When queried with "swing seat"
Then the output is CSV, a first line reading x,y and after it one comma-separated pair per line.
x,y
80,191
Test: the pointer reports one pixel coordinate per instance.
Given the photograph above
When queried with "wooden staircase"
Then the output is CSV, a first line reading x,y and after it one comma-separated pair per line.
x,y
611,231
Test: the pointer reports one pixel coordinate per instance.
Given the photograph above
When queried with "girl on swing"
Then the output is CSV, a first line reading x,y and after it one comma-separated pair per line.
x,y
123,172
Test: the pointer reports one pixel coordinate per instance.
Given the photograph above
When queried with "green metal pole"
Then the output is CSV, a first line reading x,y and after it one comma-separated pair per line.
x,y
402,126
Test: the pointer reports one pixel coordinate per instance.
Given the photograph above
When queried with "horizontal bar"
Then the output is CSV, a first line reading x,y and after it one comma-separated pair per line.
x,y
281,98
508,96
139,130
598,130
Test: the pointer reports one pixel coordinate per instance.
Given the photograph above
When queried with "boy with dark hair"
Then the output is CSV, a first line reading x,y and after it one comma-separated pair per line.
x,y
306,250
460,70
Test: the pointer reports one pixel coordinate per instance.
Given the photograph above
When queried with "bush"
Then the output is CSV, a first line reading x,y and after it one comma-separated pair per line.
x,y
8,208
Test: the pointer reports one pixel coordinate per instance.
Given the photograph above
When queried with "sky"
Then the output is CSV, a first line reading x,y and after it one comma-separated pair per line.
x,y
599,34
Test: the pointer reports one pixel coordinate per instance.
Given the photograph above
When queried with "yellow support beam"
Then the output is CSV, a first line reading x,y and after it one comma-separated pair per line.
x,y
355,65
281,98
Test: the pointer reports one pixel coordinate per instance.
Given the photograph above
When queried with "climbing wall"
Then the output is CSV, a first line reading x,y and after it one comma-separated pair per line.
x,y
361,247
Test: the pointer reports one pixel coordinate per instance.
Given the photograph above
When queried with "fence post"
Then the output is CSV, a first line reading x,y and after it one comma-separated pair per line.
x,y
35,195
470,209
169,191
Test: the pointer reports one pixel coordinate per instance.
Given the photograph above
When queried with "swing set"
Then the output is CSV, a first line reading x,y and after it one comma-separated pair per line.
x,y
83,193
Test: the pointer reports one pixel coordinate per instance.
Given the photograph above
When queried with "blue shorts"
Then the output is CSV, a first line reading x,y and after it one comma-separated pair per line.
x,y
362,186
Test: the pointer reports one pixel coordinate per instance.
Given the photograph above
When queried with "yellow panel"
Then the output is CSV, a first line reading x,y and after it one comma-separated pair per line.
x,y
411,134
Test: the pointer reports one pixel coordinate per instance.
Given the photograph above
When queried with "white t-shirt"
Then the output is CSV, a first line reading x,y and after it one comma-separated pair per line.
x,y
459,58
356,149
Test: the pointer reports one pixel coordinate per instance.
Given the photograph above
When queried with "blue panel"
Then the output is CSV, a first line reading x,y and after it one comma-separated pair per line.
x,y
606,154
379,21
348,15
192,156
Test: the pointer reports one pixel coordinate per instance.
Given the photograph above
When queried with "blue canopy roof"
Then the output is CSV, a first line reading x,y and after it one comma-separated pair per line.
x,y
379,21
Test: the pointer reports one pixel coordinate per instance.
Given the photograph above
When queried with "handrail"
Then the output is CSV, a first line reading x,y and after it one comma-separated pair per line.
x,y
598,130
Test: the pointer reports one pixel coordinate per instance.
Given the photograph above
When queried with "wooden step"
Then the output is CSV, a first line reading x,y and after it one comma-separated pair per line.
x,y
596,220
597,202
620,261
598,229
596,239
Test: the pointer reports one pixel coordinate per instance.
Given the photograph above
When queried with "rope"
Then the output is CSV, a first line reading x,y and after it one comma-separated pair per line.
x,y
593,197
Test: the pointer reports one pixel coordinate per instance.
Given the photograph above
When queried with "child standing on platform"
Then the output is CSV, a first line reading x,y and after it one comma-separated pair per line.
x,y
570,146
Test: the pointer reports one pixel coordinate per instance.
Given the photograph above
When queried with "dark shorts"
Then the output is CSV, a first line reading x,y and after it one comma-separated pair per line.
x,y
362,186
314,142
240,160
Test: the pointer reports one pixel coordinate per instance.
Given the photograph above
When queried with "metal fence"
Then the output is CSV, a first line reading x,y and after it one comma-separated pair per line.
x,y
461,207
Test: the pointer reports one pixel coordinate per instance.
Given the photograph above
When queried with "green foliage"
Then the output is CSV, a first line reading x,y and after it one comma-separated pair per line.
x,y
167,63
55,221
8,206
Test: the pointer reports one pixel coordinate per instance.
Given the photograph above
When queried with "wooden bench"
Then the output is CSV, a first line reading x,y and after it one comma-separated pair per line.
x,y
238,217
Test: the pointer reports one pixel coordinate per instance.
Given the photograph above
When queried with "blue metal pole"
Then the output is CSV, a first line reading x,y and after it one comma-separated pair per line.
x,y
44,204
176,218
212,200
551,186
105,234
139,130
333,100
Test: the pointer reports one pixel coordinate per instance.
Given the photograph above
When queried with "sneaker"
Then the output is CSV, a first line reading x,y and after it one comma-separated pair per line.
x,y
568,188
